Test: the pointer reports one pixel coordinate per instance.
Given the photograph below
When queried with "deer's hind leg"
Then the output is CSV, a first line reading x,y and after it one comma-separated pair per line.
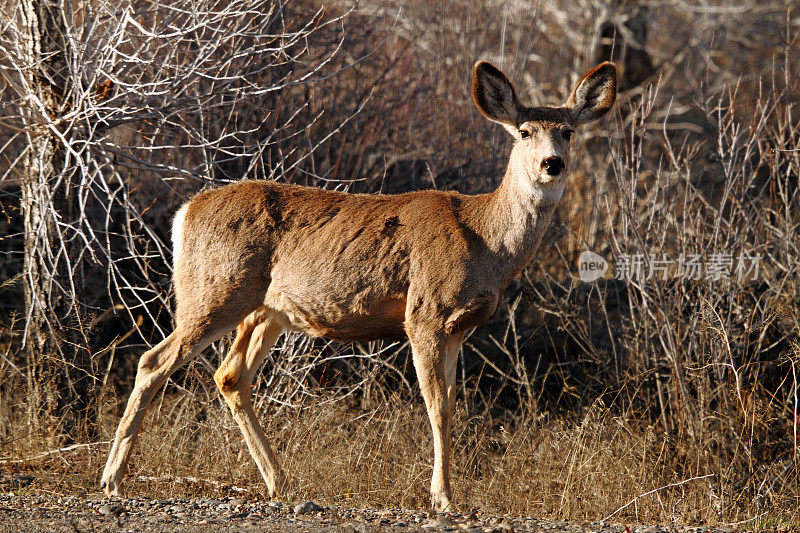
x,y
155,367
255,337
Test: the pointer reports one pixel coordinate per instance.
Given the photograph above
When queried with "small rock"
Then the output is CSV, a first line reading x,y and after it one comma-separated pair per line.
x,y
444,521
306,507
111,509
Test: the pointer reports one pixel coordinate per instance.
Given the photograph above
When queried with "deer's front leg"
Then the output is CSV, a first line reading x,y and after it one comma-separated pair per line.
x,y
435,359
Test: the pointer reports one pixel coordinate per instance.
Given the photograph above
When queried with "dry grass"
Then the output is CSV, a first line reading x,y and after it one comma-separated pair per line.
x,y
578,468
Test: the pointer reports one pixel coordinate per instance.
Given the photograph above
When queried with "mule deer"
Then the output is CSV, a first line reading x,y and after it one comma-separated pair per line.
x,y
262,257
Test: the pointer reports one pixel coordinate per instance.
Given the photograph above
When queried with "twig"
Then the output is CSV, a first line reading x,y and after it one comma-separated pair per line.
x,y
192,479
8,460
740,522
655,490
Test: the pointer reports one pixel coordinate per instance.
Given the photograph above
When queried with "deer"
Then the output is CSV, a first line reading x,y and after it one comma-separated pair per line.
x,y
261,257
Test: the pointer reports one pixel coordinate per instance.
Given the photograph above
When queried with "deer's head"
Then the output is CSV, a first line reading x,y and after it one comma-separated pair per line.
x,y
541,152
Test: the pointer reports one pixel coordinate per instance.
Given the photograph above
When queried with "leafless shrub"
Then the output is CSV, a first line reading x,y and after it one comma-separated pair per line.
x,y
116,113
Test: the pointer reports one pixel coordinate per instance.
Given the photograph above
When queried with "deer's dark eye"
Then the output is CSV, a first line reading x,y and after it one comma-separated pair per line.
x,y
524,134
567,134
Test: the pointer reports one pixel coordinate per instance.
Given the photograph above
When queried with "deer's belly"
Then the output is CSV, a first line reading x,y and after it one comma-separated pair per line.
x,y
348,320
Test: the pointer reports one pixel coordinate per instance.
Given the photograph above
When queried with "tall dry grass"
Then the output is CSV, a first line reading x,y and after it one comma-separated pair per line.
x,y
595,466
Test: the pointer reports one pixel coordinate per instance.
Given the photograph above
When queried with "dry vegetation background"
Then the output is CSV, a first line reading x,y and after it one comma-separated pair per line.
x,y
674,398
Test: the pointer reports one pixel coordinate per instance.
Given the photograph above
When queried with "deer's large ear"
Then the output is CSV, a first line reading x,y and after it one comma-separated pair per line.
x,y
594,95
494,95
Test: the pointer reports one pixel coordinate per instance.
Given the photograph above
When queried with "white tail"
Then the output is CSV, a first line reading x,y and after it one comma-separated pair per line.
x,y
262,257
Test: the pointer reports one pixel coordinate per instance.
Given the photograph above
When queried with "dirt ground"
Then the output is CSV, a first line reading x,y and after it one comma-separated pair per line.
x,y
92,512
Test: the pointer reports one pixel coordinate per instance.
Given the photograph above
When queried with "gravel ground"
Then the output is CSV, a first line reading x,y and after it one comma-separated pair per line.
x,y
95,513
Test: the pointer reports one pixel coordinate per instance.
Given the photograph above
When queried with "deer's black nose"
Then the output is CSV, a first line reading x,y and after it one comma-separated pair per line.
x,y
553,165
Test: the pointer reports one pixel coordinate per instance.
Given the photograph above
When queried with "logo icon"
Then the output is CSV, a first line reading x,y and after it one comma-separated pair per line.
x,y
591,266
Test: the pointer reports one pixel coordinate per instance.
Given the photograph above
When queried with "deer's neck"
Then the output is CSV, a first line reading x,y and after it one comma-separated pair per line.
x,y
513,219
